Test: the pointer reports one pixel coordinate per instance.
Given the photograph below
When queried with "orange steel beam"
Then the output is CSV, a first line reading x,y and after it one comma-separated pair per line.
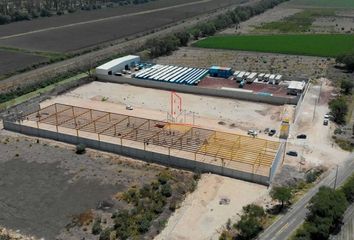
x,y
74,117
92,121
56,113
113,125
182,136
136,128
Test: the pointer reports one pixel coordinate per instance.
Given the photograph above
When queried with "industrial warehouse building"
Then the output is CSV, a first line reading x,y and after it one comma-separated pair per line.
x,y
215,81
117,65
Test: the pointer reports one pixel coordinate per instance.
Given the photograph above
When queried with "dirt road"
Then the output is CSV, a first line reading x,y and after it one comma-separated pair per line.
x,y
201,215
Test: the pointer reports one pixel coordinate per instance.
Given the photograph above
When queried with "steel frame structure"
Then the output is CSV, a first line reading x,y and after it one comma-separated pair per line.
x,y
231,149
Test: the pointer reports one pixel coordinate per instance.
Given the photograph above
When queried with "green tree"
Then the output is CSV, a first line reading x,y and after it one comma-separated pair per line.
x,y
348,189
302,234
347,86
248,227
281,194
254,210
326,212
347,59
339,109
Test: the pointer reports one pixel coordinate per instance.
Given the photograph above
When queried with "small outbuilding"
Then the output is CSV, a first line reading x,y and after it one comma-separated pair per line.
x,y
296,87
118,64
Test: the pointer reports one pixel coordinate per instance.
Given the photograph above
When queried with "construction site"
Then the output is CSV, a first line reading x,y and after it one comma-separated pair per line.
x,y
180,145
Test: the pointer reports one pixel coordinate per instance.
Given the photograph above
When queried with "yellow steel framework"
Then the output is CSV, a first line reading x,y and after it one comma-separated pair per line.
x,y
254,152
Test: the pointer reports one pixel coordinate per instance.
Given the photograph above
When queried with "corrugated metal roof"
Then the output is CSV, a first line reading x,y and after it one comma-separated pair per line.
x,y
117,61
297,85
220,68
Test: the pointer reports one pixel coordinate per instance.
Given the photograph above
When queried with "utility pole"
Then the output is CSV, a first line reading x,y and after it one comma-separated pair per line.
x,y
335,180
314,110
286,140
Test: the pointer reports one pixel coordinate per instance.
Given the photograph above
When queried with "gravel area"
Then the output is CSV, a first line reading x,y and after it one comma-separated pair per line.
x,y
44,185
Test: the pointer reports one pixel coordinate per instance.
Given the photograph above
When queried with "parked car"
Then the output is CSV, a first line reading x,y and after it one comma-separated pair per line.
x,y
325,122
272,132
292,153
118,74
252,132
129,107
266,131
327,116
301,136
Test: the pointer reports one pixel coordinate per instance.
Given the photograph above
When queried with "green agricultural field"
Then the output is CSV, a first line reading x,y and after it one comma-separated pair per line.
x,y
323,45
324,3
299,22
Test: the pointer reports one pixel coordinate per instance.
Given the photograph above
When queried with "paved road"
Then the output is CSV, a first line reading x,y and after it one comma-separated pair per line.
x,y
284,226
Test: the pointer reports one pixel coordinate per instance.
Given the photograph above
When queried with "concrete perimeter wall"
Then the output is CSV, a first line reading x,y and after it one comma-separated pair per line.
x,y
199,90
277,160
139,153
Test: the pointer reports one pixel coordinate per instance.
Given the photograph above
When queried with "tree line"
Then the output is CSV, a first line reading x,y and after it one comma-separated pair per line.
x,y
326,211
164,46
19,10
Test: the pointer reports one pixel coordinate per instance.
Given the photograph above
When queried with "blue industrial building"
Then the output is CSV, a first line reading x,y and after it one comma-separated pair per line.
x,y
222,72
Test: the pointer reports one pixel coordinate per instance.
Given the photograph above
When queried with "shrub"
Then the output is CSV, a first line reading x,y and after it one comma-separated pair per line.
x,y
4,19
20,16
45,13
5,237
34,14
339,109
144,225
164,176
166,190
80,149
105,234
311,176
96,227
173,205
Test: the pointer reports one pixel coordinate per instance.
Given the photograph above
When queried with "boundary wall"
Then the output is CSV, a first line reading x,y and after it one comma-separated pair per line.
x,y
277,160
147,156
198,90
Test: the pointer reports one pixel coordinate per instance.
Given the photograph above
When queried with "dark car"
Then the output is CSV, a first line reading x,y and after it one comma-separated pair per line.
x,y
292,153
272,132
302,136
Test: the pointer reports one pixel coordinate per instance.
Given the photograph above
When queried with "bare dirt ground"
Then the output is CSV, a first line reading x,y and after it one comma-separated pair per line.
x,y
318,148
154,104
201,216
292,67
337,24
21,27
45,184
13,61
84,34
